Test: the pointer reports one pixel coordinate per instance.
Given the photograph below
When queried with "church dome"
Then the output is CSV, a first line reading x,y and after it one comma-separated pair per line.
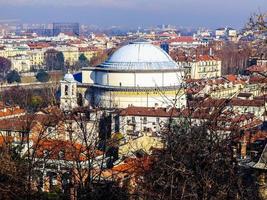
x,y
69,77
140,55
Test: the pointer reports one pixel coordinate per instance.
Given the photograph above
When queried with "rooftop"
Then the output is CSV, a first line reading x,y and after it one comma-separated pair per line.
x,y
140,55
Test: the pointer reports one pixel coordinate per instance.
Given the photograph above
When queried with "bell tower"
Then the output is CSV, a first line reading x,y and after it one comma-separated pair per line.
x,y
68,96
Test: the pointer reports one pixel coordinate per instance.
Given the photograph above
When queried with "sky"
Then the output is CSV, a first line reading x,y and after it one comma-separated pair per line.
x,y
134,13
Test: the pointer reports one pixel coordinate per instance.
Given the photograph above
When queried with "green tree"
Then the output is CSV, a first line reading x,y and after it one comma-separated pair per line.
x,y
36,102
13,76
5,65
83,61
42,76
196,164
54,60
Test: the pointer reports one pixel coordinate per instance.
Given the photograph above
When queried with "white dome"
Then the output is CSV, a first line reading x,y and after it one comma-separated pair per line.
x,y
140,56
69,77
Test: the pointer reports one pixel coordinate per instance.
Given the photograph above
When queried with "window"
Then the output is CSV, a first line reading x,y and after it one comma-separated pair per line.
x,y
46,153
61,154
49,130
145,120
133,120
73,90
66,90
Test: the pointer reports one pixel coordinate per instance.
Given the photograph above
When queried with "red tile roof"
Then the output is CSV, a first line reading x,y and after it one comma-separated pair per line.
x,y
72,151
247,102
182,39
131,165
206,58
149,111
257,68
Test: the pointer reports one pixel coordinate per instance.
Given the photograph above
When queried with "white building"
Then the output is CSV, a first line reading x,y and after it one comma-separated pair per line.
x,y
138,74
134,121
68,97
20,63
231,32
220,32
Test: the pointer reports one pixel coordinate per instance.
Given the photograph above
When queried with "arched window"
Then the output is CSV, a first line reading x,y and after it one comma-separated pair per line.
x,y
66,90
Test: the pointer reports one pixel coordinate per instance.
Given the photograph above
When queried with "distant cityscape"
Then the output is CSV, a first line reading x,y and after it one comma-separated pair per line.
x,y
160,112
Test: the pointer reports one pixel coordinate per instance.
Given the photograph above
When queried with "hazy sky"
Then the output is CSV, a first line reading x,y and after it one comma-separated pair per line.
x,y
191,13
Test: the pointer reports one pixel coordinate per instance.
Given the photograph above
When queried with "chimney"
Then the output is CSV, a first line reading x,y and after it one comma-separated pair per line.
x,y
211,52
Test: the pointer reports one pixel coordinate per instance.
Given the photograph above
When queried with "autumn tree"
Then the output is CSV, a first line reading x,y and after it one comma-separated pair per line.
x,y
83,61
54,60
13,77
100,58
5,66
30,99
196,164
42,76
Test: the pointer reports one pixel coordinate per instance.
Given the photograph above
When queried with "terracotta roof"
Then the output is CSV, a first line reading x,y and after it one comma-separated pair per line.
x,y
257,68
209,102
257,80
247,102
251,137
206,58
83,49
149,111
243,94
28,121
71,151
38,45
10,112
131,165
182,39
231,77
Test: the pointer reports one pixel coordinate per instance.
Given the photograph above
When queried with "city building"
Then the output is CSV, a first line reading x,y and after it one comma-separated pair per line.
x,y
20,63
201,67
68,97
220,32
71,28
138,74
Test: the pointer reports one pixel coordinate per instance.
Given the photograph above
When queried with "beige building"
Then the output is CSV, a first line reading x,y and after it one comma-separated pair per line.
x,y
20,63
89,52
206,67
71,54
37,57
202,67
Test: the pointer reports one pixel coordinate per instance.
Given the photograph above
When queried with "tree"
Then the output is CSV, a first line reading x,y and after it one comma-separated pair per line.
x,y
42,76
196,164
36,102
54,60
24,97
13,76
12,173
5,65
100,58
83,58
257,21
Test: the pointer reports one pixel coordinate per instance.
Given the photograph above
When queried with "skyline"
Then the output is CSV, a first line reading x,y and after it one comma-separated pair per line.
x,y
128,13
